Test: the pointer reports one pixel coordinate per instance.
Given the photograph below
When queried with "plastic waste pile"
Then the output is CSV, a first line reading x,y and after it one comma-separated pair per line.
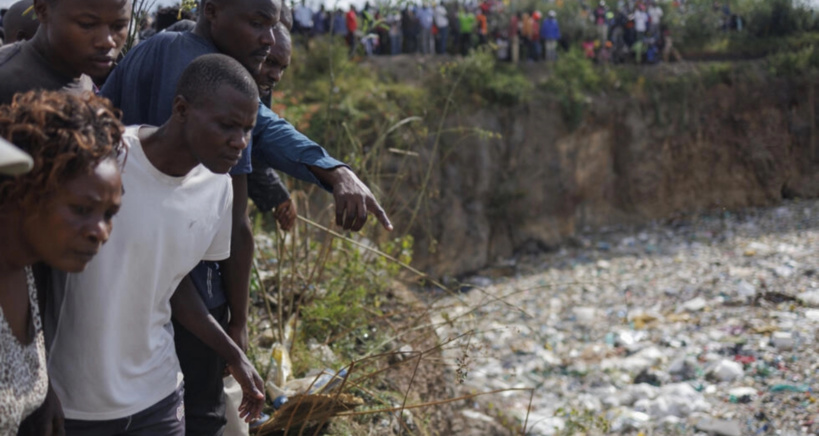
x,y
704,325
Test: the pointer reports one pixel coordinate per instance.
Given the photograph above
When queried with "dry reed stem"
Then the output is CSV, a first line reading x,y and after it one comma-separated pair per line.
x,y
433,403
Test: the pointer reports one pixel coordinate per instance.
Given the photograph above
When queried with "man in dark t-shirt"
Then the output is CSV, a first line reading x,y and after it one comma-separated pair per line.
x,y
23,68
76,39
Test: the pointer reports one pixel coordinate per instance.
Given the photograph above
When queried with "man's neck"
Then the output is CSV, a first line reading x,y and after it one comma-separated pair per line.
x,y
41,45
16,254
165,148
202,29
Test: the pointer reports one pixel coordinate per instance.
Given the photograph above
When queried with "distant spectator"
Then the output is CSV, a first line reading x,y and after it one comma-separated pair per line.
x,y
668,48
483,27
601,22
351,20
394,22
442,23
502,50
165,17
514,37
588,49
640,21
406,32
303,23
425,20
526,33
466,27
604,55
339,24
550,34
655,13
536,48
639,49
146,28
321,21
726,17
20,22
412,31
303,18
382,28
652,52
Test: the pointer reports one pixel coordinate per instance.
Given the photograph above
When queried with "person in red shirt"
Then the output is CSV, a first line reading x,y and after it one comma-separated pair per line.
x,y
352,26
483,28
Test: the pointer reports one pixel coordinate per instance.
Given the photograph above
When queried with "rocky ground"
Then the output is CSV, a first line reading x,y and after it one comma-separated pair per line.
x,y
701,325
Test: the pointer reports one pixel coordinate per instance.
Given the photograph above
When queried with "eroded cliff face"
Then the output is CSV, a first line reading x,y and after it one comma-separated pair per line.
x,y
630,160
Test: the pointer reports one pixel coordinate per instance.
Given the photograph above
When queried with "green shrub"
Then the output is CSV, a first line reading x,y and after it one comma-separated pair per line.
x,y
573,78
479,77
794,64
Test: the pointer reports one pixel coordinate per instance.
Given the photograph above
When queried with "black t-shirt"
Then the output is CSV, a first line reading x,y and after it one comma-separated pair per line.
x,y
23,69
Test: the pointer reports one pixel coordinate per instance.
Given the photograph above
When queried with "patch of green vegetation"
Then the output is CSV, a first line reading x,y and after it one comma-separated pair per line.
x,y
481,79
573,79
582,422
796,64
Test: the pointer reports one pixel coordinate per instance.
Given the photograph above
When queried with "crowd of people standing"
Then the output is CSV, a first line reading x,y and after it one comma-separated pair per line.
x,y
623,29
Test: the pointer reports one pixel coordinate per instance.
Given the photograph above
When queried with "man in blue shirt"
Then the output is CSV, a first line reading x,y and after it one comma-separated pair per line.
x,y
425,17
549,35
142,87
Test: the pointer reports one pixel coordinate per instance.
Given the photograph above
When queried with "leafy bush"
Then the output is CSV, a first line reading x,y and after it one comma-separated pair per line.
x,y
574,76
771,18
480,78
794,64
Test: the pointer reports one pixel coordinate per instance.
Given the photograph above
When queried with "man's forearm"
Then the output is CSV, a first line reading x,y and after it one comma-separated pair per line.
x,y
236,269
190,311
236,272
330,177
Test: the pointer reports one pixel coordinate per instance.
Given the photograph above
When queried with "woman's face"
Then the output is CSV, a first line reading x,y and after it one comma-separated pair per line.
x,y
69,229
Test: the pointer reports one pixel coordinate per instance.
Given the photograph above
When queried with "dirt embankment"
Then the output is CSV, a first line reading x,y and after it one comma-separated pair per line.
x,y
632,159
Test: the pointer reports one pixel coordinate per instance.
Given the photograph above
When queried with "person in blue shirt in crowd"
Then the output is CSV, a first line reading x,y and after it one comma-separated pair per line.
x,y
142,86
550,34
338,24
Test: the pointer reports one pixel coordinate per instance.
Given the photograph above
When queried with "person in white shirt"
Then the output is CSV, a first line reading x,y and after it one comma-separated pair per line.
x,y
655,12
112,360
303,20
641,21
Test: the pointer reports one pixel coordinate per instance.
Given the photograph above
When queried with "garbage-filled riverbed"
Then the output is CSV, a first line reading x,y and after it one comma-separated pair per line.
x,y
698,325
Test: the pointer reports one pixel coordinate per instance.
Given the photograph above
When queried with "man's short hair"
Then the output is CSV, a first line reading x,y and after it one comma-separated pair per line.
x,y
20,26
207,73
286,16
282,34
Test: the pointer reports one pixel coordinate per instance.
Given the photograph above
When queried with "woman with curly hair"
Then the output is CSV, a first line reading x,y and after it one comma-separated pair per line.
x,y
59,213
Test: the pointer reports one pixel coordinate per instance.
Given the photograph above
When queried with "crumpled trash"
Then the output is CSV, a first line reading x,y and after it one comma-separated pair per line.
x,y
724,304
279,370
